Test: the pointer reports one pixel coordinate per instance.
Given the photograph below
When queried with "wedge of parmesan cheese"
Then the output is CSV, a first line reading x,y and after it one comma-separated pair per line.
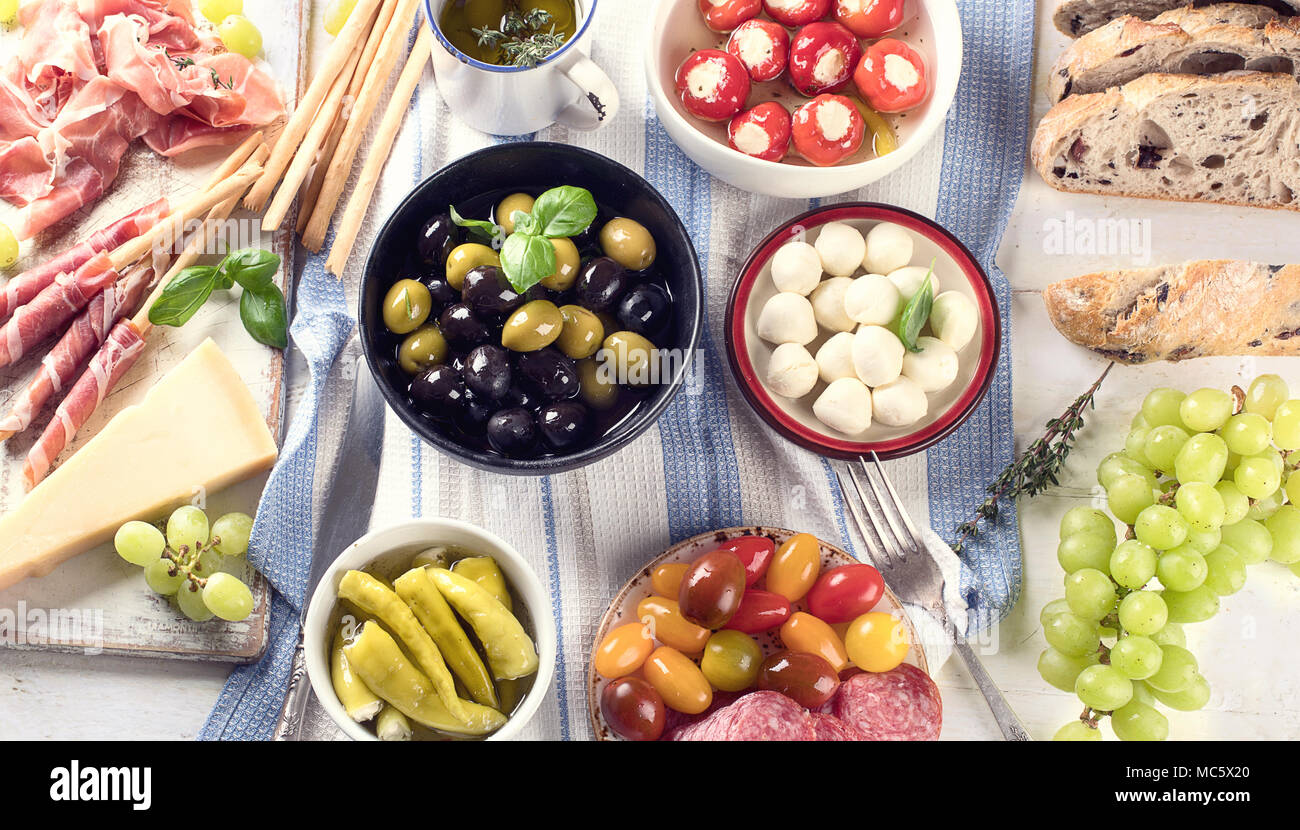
x,y
197,430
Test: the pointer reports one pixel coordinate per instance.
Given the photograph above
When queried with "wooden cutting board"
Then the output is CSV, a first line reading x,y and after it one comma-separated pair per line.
x,y
96,602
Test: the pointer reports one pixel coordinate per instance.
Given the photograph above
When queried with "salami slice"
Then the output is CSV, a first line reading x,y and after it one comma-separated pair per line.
x,y
831,728
902,704
759,716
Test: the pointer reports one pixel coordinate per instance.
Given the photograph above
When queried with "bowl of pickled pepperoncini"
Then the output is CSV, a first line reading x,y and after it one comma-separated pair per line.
x,y
430,630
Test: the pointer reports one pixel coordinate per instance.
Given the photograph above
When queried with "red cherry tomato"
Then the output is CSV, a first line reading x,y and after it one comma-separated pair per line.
x,y
756,551
712,589
870,18
633,709
762,46
725,15
713,84
759,611
822,57
891,76
794,13
845,593
828,129
804,678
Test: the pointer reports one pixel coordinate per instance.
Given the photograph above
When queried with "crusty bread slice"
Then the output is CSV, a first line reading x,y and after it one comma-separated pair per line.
x,y
1231,138
1079,17
1200,309
1189,41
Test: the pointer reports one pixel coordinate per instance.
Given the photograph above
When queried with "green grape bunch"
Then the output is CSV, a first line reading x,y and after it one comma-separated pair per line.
x,y
184,559
1205,486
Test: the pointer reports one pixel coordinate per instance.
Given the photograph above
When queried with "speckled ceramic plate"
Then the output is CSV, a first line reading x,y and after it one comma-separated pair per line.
x,y
623,608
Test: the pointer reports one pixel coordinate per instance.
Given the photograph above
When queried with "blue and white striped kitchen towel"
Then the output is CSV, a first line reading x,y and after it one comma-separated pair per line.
x,y
710,463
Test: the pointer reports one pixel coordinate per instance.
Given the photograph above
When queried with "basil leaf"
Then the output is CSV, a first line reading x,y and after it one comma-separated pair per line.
x,y
563,211
527,260
523,222
916,313
264,316
483,228
184,295
252,268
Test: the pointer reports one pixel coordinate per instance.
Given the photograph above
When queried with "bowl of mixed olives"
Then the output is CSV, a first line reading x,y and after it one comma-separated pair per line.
x,y
531,308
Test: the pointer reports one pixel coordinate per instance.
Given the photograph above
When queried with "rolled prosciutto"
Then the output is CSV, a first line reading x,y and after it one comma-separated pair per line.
x,y
54,306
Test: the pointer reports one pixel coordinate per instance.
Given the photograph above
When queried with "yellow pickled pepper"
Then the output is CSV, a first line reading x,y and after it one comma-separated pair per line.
x,y
510,651
392,725
418,591
485,571
360,703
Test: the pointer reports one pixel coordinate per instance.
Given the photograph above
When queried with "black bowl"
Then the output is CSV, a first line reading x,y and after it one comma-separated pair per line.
x,y
532,166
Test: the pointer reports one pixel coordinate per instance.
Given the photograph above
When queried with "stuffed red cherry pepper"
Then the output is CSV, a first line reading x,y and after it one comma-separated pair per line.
x,y
822,57
762,46
725,15
713,84
891,76
762,132
870,18
827,130
794,13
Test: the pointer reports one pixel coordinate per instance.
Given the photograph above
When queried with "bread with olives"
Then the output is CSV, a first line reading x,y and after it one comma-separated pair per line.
x,y
1079,17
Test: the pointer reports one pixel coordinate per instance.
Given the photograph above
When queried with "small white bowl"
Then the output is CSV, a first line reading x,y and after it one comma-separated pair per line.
x,y
932,27
429,532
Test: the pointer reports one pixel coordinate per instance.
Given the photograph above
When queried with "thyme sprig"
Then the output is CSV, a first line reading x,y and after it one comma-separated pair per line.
x,y
1038,468
521,39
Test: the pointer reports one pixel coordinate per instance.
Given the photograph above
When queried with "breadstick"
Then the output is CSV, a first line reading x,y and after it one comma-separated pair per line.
x,y
335,59
359,202
341,165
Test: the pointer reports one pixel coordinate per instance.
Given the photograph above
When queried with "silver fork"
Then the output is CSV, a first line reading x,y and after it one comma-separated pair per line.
x,y
910,570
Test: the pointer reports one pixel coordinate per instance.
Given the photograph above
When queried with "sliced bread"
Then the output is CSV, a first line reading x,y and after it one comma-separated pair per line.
x,y
1078,17
1233,139
1200,309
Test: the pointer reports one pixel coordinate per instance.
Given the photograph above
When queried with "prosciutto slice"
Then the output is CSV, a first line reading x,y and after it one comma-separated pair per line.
x,y
82,339
68,294
113,360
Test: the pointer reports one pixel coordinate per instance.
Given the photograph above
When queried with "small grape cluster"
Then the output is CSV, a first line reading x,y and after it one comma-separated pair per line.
x,y
186,562
1206,486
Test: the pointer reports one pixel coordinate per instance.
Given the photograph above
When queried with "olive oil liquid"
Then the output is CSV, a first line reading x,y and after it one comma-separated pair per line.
x,y
460,18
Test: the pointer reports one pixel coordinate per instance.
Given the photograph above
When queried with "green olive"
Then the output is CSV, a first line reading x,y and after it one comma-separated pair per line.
x,y
533,326
406,306
581,334
422,348
567,262
633,357
628,243
506,210
598,388
467,257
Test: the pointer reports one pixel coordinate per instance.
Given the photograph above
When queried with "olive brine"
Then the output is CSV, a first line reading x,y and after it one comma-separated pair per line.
x,y
531,333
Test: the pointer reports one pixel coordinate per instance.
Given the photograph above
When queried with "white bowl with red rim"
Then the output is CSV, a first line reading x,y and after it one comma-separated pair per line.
x,y
955,268
677,29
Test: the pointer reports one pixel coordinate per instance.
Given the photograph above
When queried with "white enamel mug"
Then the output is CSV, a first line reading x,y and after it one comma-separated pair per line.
x,y
567,88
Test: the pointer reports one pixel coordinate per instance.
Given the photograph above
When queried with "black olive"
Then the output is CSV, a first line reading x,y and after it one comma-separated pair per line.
x,y
563,424
645,310
549,373
461,328
440,292
439,392
438,236
541,292
601,283
488,292
487,372
518,396
474,417
512,431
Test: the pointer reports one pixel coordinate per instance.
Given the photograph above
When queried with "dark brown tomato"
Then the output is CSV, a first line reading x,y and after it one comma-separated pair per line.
x,y
807,679
633,709
712,589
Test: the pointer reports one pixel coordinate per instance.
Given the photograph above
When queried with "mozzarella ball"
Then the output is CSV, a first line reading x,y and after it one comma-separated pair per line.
x,y
934,368
792,372
788,318
954,319
797,267
889,247
828,304
842,249
845,406
872,300
900,403
909,280
835,358
877,355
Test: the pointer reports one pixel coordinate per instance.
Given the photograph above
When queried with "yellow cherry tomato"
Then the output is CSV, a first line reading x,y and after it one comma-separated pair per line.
x,y
731,661
678,681
663,617
667,579
877,642
805,633
795,566
623,650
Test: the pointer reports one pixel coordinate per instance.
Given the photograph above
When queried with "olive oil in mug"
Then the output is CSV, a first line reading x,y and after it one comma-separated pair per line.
x,y
509,32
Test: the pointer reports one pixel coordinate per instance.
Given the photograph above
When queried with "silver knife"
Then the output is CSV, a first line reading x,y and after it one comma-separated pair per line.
x,y
346,519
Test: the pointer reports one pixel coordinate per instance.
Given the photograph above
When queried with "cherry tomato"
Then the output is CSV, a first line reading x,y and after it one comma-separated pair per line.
x,y
869,18
845,593
731,661
804,678
712,588
623,650
877,642
828,129
822,57
762,46
755,551
678,681
759,611
891,76
796,12
633,709
725,15
667,578
713,84
668,626
795,566
805,633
